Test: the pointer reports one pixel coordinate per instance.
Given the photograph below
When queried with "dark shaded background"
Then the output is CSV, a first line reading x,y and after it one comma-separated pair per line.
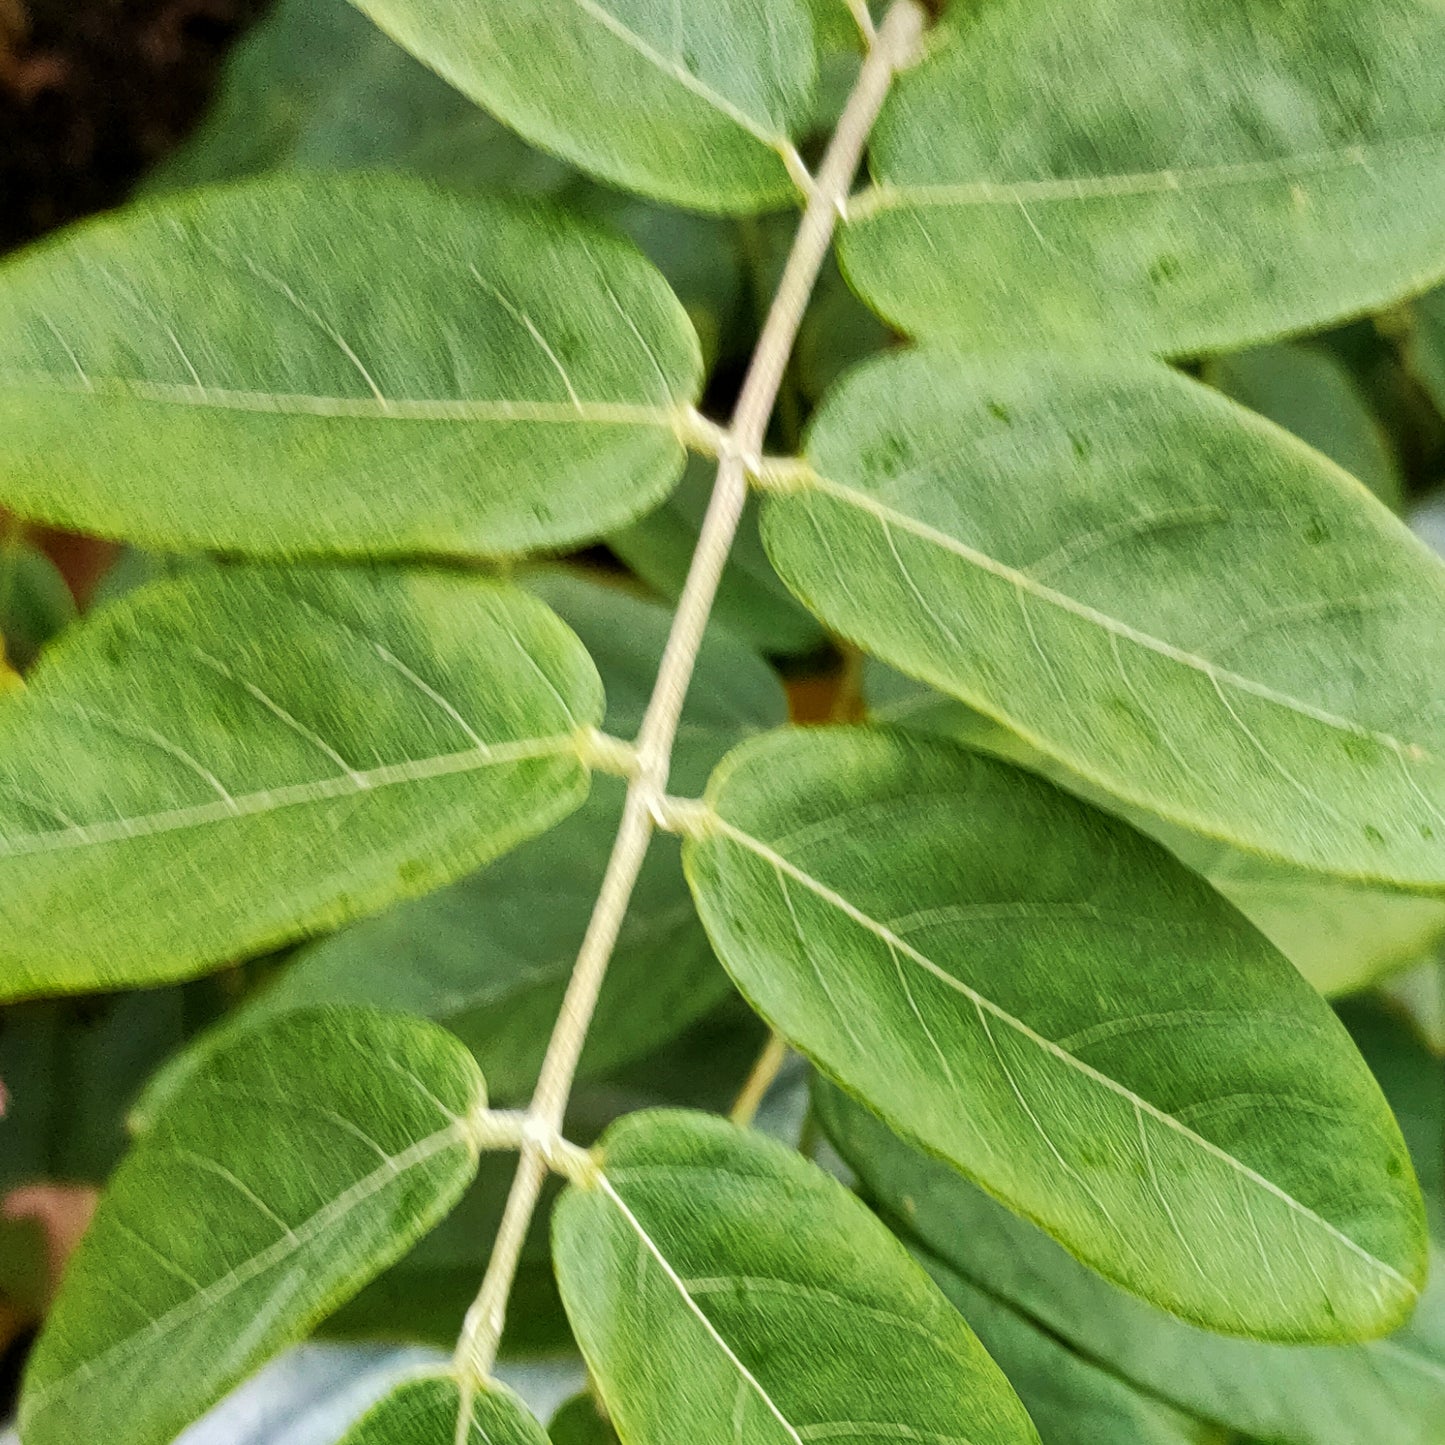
x,y
92,92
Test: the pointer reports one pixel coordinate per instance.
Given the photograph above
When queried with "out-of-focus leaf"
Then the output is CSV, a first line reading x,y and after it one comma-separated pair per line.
x,y
721,1287
35,603
837,333
1205,618
429,1408
751,601
212,1249
353,364
1391,1389
1071,1400
1428,344
695,105
1157,174
243,756
316,86
1049,1001
1307,391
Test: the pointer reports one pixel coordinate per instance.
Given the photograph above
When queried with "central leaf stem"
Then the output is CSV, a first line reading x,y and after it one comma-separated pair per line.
x,y
740,452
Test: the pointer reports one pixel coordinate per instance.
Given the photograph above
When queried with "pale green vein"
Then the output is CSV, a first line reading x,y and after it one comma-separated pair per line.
x,y
889,196
645,1240
599,413
784,866
684,77
266,800
223,1287
887,516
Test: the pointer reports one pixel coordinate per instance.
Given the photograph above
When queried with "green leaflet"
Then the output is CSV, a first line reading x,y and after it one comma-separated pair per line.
x,y
834,25
695,104
1050,1002
722,1288
292,1170
240,756
316,86
1170,176
1341,936
425,1296
425,1410
1071,1399
491,955
1308,391
1171,597
578,1422
1385,1390
751,601
352,364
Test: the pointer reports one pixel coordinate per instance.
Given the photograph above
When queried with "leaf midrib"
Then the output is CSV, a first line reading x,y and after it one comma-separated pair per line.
x,y
836,900
679,75
208,398
887,195
673,1278
890,517
267,800
223,1287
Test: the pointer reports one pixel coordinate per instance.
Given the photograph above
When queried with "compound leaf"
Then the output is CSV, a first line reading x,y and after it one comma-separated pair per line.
x,y
491,955
426,1410
1053,1004
1169,596
691,104
239,756
293,1169
1158,174
722,1288
350,364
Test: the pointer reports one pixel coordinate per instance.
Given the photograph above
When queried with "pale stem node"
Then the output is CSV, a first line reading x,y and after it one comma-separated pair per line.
x,y
894,46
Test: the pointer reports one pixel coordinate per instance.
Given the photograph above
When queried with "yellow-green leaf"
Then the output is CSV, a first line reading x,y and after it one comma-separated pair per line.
x,y
293,1169
240,756
1173,598
723,1288
1053,1004
350,364
1180,177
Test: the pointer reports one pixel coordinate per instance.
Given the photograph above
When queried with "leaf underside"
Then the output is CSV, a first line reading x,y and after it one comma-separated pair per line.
x,y
1170,596
346,364
239,756
1050,1002
723,1288
214,1247
691,104
1157,174
1390,1389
